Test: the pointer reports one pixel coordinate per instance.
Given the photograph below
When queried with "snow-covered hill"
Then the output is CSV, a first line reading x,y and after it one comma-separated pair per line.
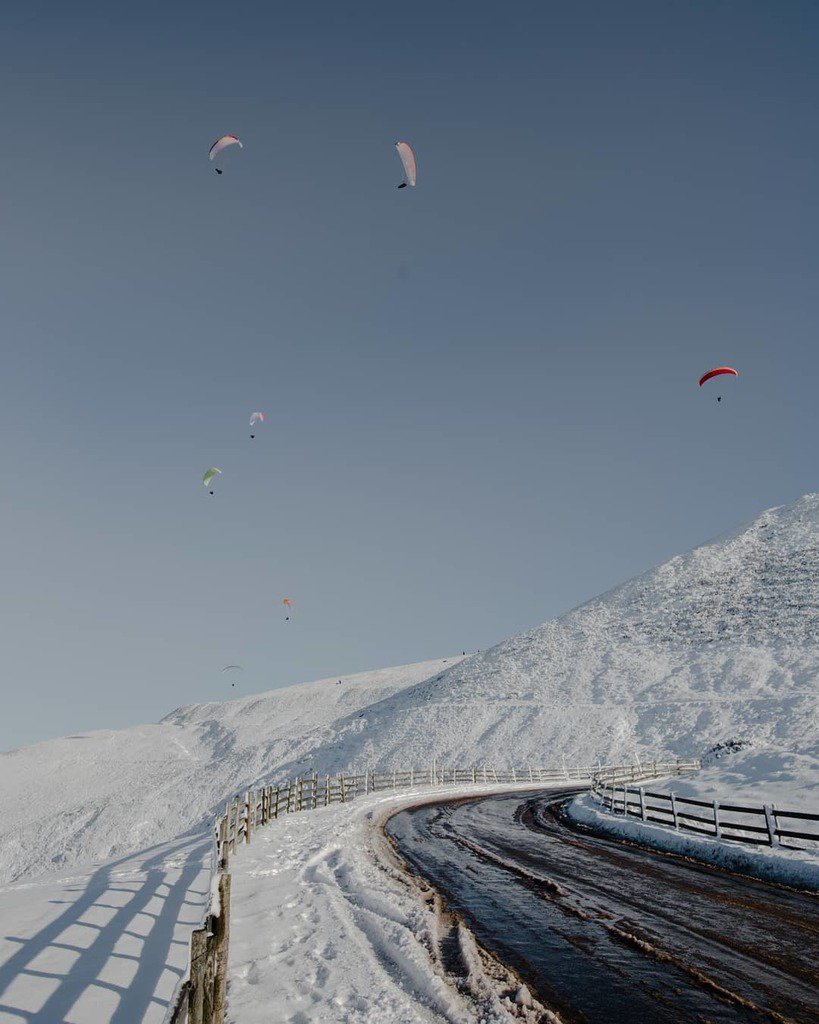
x,y
718,644
103,794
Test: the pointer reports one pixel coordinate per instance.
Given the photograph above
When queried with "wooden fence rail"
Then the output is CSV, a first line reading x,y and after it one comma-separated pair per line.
x,y
202,995
762,826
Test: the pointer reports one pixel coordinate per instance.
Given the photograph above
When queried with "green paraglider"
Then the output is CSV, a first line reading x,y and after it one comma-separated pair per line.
x,y
209,475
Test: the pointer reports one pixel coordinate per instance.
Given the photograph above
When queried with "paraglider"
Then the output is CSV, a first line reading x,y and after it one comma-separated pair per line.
x,y
288,604
718,371
233,668
222,143
256,417
408,160
209,475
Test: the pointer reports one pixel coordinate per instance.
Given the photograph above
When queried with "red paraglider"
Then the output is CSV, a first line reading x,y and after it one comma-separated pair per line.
x,y
716,372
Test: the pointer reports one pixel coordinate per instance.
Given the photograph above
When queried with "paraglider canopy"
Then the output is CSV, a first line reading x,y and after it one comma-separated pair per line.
x,y
223,143
716,372
256,417
209,475
408,160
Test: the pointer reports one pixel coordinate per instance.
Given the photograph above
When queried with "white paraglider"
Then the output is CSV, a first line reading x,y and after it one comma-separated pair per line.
x,y
408,160
221,144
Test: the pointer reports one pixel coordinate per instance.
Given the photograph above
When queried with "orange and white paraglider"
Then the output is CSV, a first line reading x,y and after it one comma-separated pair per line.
x,y
718,371
288,604
408,160
256,417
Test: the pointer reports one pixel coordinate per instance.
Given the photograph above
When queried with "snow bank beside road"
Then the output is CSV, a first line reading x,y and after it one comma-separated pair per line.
x,y
325,926
748,778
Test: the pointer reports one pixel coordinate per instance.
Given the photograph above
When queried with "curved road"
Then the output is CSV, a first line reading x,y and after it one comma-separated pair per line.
x,y
607,932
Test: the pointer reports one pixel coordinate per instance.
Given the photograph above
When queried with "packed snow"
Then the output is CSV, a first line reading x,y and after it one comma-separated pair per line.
x,y
326,927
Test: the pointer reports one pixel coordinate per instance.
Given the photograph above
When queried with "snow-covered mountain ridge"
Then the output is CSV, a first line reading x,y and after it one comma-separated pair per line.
x,y
717,644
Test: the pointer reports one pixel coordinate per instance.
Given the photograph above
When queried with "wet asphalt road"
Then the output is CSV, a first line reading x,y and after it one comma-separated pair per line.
x,y
607,932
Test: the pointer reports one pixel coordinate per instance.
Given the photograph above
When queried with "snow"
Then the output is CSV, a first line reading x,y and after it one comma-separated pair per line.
x,y
103,794
718,646
739,775
104,945
325,927
789,867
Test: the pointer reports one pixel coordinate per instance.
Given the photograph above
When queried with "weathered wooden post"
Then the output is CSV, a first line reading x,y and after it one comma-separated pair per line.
x,y
674,812
717,829
642,803
221,936
770,821
196,987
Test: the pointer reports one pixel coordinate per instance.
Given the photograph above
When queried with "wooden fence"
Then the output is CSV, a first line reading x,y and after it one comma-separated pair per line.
x,y
202,995
763,826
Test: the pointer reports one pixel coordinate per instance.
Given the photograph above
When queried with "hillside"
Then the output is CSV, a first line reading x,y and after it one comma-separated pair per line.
x,y
105,793
714,645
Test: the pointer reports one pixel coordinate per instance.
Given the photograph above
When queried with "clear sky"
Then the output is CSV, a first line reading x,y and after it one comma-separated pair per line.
x,y
480,393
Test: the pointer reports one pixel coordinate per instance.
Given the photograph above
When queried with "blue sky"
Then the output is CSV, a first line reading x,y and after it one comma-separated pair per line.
x,y
480,393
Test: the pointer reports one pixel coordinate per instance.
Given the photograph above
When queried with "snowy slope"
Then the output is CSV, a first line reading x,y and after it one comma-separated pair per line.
x,y
102,794
717,644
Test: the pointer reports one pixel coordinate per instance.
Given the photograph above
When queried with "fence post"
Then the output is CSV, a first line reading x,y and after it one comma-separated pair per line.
x,y
247,816
196,990
393,777
674,812
514,774
563,760
770,821
412,778
717,829
642,803
221,934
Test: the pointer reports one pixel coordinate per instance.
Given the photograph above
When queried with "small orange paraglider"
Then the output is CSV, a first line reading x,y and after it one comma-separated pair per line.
x,y
288,604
